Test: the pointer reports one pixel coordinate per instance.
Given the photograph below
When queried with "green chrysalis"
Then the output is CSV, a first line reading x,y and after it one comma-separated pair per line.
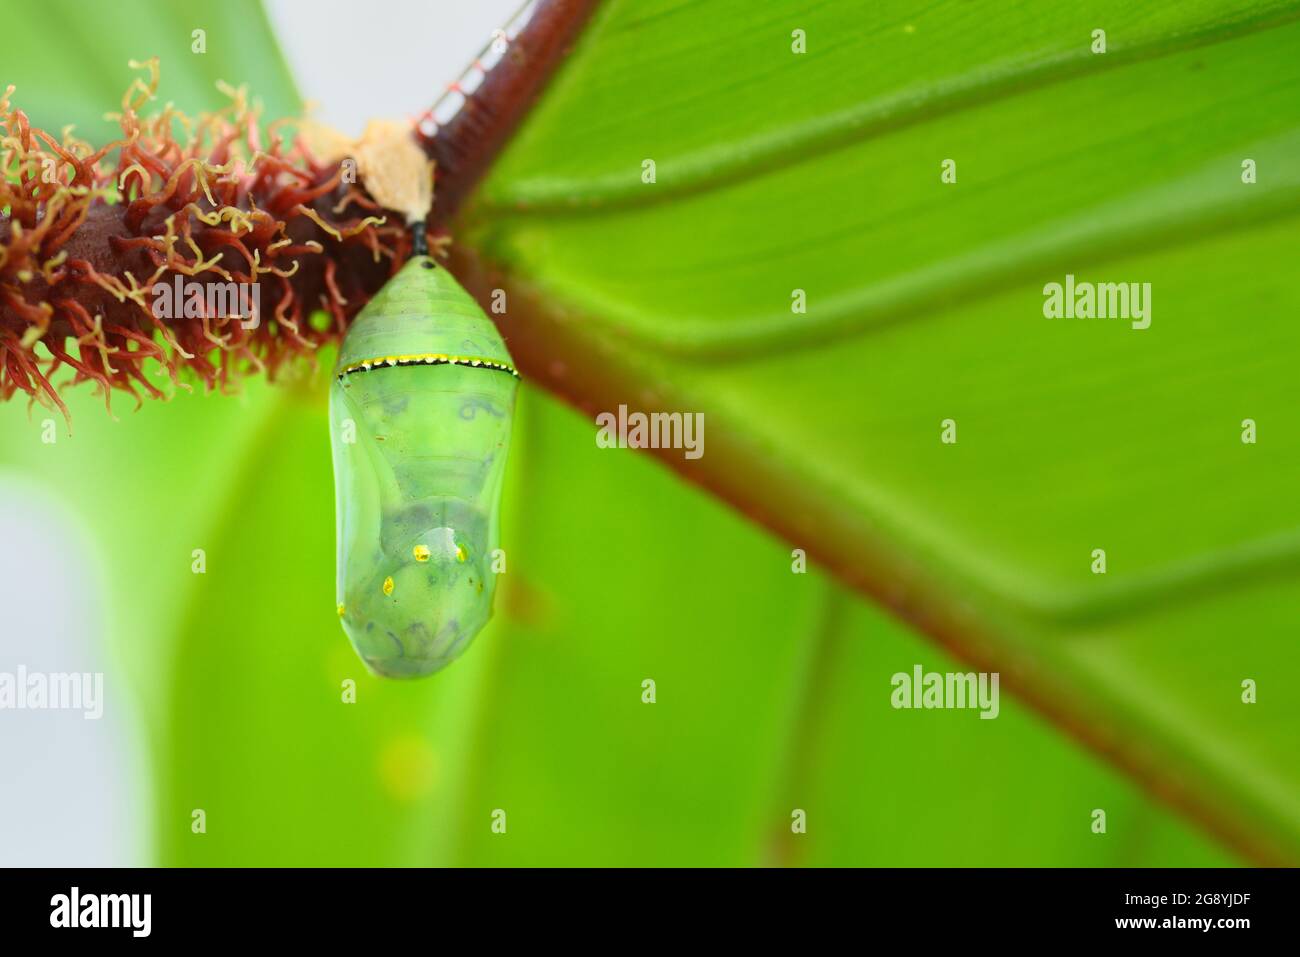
x,y
420,414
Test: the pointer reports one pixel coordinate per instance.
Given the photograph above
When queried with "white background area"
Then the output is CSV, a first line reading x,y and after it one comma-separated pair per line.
x,y
388,59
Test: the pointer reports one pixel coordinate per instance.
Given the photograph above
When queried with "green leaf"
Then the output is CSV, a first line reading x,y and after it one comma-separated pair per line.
x,y
295,754
68,60
777,171
771,688
771,694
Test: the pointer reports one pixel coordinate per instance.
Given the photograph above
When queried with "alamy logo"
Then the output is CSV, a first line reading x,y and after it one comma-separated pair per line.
x,y
53,691
191,299
103,910
936,689
1104,300
656,430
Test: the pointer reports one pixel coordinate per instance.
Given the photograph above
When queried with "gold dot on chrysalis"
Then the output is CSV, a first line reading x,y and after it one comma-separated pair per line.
x,y
461,554
388,585
341,609
421,553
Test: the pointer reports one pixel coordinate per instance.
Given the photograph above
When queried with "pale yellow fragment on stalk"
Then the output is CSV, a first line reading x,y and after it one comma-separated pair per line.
x,y
391,164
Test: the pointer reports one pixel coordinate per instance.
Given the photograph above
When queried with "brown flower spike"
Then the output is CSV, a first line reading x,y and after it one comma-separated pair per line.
x,y
85,233
83,240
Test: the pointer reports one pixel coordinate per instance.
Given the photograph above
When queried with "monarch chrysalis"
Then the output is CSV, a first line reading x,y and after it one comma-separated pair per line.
x,y
420,414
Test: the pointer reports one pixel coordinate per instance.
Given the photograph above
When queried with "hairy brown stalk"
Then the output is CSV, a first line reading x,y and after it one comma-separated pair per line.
x,y
220,199
89,231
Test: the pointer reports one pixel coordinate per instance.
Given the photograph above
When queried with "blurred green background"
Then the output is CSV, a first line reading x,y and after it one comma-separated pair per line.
x,y
772,688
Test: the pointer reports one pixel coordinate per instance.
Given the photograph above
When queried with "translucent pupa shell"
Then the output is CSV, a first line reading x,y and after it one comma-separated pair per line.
x,y
420,415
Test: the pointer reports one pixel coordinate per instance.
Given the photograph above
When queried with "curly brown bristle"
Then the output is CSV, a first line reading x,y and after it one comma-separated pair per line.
x,y
86,234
